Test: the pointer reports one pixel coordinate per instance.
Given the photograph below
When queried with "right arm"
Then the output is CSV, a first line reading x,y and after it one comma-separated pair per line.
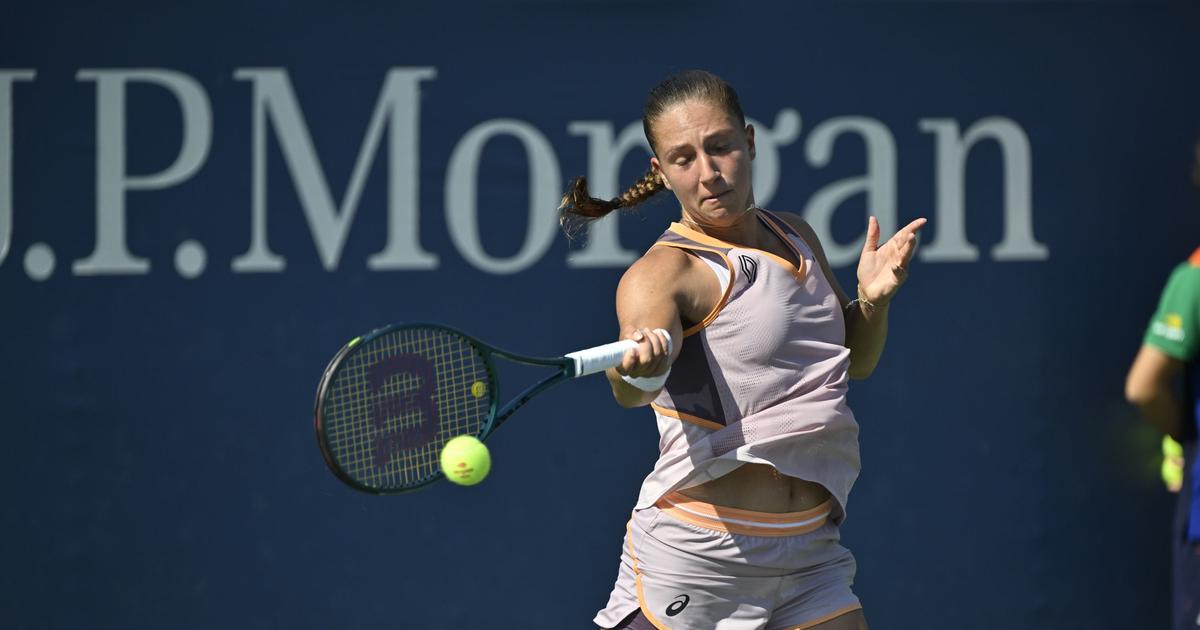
x,y
648,298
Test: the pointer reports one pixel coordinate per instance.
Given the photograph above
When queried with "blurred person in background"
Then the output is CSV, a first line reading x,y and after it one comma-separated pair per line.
x,y
1168,358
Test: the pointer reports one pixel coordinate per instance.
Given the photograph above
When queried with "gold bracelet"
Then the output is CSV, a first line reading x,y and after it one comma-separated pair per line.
x,y
871,307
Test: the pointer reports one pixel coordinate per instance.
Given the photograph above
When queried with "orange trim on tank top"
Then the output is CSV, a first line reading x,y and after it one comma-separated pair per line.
x,y
1194,259
700,237
724,297
687,417
787,241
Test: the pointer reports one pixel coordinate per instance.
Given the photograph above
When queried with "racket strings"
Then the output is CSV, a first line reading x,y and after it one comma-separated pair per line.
x,y
396,401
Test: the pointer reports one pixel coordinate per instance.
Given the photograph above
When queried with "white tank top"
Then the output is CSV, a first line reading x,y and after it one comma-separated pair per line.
x,y
762,379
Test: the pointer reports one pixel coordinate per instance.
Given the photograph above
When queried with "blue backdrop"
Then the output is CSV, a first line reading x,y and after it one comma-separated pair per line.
x,y
199,204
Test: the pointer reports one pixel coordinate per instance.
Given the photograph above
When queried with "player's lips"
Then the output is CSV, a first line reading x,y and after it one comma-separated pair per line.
x,y
716,196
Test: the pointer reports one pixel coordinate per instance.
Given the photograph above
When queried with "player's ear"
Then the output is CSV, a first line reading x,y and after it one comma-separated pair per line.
x,y
654,164
750,139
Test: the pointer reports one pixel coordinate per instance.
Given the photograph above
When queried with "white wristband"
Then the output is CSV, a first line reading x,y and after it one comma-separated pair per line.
x,y
648,383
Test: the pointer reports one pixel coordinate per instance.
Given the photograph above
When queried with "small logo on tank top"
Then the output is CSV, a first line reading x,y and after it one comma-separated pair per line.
x,y
749,267
678,605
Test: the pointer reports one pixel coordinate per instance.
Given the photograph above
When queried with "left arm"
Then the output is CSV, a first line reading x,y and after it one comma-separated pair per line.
x,y
881,271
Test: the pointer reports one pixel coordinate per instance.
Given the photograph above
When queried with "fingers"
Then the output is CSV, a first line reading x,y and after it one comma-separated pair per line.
x,y
650,357
905,241
916,225
907,246
895,255
664,337
881,272
872,241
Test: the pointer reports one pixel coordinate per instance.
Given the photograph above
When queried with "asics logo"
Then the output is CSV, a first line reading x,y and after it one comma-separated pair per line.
x,y
678,605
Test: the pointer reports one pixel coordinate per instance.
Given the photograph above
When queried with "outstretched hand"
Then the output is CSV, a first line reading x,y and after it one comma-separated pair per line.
x,y
883,268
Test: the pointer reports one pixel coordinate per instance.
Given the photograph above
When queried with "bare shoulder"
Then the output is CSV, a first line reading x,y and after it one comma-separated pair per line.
x,y
670,284
658,267
665,257
653,292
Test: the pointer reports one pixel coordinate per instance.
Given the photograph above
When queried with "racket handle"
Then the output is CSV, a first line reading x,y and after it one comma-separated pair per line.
x,y
600,358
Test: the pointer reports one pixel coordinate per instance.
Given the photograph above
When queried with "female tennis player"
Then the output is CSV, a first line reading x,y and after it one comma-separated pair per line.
x,y
737,525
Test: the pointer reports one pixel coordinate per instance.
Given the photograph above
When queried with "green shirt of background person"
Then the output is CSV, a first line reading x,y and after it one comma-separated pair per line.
x,y
1170,356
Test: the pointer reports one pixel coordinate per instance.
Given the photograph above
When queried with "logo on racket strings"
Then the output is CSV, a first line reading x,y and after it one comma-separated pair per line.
x,y
394,407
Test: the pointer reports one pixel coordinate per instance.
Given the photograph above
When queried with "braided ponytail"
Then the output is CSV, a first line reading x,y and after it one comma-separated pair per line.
x,y
579,208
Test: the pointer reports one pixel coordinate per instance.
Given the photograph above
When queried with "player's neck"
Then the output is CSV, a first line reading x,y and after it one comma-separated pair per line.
x,y
746,231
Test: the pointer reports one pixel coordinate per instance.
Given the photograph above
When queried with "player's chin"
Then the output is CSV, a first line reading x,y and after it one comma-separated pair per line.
x,y
719,216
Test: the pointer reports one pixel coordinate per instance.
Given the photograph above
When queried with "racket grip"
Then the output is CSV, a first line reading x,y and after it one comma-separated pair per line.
x,y
600,358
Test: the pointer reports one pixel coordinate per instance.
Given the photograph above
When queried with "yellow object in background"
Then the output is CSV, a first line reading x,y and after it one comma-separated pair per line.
x,y
1172,464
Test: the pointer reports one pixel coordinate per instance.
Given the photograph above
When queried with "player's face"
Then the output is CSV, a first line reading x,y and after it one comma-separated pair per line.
x,y
704,157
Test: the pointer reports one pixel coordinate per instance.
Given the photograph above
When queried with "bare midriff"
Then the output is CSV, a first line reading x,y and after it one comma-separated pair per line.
x,y
760,488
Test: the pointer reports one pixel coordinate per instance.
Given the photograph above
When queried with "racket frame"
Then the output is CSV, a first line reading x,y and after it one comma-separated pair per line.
x,y
566,368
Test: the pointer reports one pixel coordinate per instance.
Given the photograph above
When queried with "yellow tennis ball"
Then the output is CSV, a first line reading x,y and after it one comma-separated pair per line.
x,y
1172,464
465,460
1171,448
1172,475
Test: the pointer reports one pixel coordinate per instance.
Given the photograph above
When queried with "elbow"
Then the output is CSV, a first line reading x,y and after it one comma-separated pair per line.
x,y
1145,393
1138,393
1134,396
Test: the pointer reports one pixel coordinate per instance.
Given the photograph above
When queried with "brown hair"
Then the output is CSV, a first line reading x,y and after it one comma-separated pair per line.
x,y
578,207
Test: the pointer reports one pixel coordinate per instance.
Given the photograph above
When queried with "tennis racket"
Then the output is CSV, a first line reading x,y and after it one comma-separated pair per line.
x,y
391,399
